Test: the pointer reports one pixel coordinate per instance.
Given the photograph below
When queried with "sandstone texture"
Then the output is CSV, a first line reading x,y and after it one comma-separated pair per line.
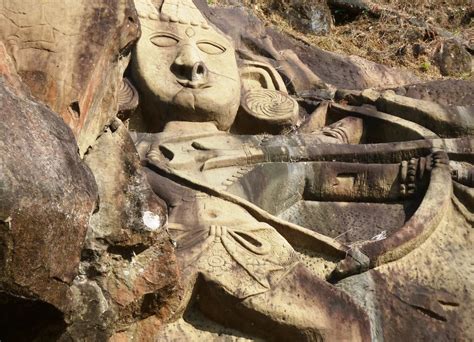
x,y
453,59
62,70
47,196
128,262
309,16
70,54
174,171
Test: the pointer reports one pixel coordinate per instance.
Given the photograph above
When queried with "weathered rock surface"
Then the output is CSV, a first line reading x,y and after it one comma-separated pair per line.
x,y
445,120
453,59
346,222
128,270
311,16
424,294
71,56
445,92
129,214
46,198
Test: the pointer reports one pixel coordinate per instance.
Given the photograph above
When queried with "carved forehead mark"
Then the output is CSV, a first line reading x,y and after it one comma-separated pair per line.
x,y
190,32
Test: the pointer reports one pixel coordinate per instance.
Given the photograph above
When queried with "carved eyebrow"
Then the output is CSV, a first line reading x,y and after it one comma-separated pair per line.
x,y
164,34
214,37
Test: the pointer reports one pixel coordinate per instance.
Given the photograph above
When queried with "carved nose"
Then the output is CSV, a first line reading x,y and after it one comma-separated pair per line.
x,y
189,66
199,72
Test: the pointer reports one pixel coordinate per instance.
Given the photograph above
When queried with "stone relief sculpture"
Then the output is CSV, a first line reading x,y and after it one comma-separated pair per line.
x,y
218,240
245,211
237,193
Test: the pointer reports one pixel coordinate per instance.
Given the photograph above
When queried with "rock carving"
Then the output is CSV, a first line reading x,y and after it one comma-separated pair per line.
x,y
246,218
216,181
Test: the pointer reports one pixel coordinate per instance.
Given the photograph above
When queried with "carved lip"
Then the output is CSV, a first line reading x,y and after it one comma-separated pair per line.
x,y
194,84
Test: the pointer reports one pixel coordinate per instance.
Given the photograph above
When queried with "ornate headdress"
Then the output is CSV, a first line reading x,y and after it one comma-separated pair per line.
x,y
175,11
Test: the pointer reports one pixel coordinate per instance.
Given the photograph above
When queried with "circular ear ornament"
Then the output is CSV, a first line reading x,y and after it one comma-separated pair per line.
x,y
271,107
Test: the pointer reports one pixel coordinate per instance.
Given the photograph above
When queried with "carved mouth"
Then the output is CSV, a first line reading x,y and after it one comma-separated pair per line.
x,y
193,84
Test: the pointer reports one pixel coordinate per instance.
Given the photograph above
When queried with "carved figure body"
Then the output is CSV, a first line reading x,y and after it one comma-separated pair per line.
x,y
247,259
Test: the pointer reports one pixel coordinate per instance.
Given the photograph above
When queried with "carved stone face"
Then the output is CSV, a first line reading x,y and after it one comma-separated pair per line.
x,y
186,72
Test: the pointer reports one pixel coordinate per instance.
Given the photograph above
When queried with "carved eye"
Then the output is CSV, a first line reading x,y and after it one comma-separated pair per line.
x,y
164,40
211,48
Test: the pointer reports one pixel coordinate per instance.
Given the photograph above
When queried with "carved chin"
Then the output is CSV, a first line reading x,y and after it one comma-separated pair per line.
x,y
184,99
189,105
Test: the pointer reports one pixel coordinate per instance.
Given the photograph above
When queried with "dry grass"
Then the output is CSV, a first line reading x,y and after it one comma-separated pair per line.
x,y
388,40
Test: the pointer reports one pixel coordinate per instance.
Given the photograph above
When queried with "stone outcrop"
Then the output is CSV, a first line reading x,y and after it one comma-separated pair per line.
x,y
46,198
453,59
71,55
312,16
82,248
128,263
445,92
223,181
444,120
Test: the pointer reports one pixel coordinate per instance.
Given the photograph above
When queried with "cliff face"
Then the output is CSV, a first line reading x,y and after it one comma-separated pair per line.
x,y
72,57
70,226
338,205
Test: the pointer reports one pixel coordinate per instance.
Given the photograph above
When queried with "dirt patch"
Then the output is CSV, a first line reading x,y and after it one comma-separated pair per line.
x,y
404,41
